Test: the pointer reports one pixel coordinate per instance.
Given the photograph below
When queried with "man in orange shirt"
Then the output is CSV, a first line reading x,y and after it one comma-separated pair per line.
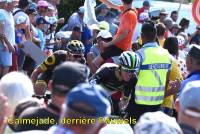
x,y
122,41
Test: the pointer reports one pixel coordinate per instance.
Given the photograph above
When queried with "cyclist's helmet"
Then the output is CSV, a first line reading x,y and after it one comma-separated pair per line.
x,y
75,47
129,61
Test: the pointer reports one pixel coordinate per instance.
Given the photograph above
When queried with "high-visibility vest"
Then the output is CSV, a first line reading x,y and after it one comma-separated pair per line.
x,y
150,87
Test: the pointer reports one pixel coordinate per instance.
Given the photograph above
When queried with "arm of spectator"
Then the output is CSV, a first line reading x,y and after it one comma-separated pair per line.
x,y
28,34
174,88
118,39
6,43
110,4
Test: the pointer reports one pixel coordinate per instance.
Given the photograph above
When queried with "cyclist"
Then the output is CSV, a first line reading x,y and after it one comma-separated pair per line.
x,y
42,74
120,77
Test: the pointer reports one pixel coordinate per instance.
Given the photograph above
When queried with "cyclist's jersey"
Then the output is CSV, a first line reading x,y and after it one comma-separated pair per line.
x,y
53,60
106,76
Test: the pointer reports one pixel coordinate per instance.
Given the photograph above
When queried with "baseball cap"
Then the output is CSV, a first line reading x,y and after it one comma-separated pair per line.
x,y
31,11
69,74
42,3
189,98
20,20
103,25
52,20
104,34
41,20
157,122
163,11
81,10
77,28
89,100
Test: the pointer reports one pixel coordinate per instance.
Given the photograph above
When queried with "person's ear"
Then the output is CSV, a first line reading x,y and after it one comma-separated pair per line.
x,y
50,85
177,105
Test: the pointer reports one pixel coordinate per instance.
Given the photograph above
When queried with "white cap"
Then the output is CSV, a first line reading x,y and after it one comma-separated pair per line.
x,y
104,34
63,34
52,20
20,20
116,129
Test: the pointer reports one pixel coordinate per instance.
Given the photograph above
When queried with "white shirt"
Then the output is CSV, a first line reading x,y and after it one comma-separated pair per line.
x,y
9,25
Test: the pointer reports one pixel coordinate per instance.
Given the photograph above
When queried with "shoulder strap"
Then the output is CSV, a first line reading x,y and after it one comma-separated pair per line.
x,y
17,12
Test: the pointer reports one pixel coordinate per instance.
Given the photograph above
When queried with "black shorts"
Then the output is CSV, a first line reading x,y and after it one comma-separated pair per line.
x,y
110,52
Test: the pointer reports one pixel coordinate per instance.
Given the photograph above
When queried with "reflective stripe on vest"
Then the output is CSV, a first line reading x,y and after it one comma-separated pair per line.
x,y
150,87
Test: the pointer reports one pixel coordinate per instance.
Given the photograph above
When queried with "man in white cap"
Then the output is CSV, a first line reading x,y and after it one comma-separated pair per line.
x,y
188,107
7,33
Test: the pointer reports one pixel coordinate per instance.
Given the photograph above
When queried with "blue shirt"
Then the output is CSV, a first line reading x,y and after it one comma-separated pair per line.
x,y
41,37
192,77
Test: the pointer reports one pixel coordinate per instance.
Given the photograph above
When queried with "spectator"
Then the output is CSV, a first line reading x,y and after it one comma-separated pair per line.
x,y
76,33
162,16
171,44
160,33
96,49
22,106
15,86
144,16
174,16
40,22
103,12
112,26
175,29
123,38
20,11
86,38
196,36
74,20
184,24
145,8
168,26
78,105
157,122
42,7
21,30
7,38
188,108
193,66
59,86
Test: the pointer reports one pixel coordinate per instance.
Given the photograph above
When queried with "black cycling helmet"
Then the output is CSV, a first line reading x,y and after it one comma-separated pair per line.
x,y
75,47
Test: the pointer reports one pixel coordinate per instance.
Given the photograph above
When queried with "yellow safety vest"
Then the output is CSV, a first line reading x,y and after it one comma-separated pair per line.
x,y
150,87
